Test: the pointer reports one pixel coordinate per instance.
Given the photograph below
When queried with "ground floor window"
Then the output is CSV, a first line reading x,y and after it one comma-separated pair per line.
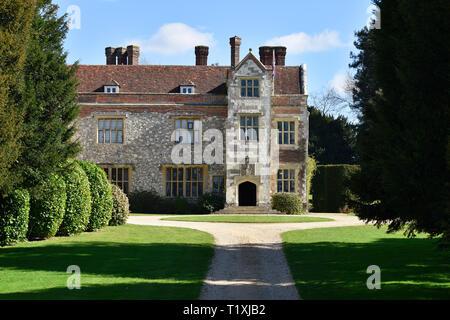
x,y
184,181
286,180
120,176
218,184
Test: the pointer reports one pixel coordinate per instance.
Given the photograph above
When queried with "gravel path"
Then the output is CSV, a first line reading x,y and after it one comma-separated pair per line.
x,y
249,262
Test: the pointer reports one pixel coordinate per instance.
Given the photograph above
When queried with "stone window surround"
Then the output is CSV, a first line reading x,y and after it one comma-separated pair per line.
x,y
184,167
109,115
296,173
218,176
119,166
188,117
240,79
257,115
275,126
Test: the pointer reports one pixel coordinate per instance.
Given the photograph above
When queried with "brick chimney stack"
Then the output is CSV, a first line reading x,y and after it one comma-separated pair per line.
x,y
266,55
133,53
110,56
201,55
280,56
235,43
121,54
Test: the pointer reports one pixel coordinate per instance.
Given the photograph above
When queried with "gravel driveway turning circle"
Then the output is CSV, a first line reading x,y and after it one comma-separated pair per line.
x,y
249,262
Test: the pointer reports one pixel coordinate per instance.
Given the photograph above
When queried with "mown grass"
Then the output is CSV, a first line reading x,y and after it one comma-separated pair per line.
x,y
332,264
126,262
249,219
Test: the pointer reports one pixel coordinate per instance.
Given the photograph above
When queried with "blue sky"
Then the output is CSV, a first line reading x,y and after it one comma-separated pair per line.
x,y
319,33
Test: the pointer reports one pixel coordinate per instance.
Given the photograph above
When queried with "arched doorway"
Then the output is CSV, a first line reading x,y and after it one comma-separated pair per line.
x,y
247,194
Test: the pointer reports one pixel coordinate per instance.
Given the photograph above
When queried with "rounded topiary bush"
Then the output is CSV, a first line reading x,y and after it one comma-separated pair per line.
x,y
121,207
78,202
47,206
211,202
101,196
288,203
14,212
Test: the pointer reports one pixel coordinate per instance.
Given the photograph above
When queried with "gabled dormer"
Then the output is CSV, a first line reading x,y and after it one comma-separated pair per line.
x,y
187,87
112,86
250,78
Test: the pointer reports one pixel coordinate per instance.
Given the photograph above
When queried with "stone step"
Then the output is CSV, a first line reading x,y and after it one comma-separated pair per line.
x,y
247,210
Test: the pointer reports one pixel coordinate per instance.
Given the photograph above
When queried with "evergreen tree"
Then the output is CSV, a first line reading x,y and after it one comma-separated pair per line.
x,y
405,132
331,140
50,98
15,22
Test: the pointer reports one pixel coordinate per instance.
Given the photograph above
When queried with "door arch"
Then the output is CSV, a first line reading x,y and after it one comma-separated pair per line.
x,y
247,194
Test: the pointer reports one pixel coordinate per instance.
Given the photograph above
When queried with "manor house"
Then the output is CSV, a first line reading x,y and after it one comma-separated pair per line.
x,y
189,130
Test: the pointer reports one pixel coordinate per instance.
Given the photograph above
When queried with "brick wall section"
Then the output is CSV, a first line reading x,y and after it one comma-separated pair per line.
x,y
211,111
192,99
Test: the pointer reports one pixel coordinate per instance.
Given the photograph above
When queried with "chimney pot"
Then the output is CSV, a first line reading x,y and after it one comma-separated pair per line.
x,y
201,55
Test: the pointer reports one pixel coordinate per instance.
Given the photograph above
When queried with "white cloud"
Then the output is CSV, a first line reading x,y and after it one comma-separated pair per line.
x,y
302,42
339,83
174,38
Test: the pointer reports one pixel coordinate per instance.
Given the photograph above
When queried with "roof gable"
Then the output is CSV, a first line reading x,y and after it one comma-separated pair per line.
x,y
250,65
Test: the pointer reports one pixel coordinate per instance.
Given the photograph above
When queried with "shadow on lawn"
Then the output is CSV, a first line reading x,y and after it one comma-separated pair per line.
x,y
410,269
186,264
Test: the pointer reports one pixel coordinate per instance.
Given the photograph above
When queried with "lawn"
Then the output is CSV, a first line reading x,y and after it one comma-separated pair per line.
x,y
249,219
153,214
126,262
331,264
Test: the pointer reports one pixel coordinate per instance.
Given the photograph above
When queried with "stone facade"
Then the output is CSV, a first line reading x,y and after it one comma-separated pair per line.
x,y
149,107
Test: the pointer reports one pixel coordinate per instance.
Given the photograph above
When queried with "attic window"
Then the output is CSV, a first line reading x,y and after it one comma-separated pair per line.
x,y
111,89
187,89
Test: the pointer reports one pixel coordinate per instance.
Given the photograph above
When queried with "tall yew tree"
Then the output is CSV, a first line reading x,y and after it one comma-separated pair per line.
x,y
49,97
404,135
15,23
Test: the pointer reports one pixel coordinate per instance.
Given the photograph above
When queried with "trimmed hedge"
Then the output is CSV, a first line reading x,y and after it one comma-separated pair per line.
x,y
78,202
101,196
121,207
311,168
330,187
150,202
14,213
288,203
47,206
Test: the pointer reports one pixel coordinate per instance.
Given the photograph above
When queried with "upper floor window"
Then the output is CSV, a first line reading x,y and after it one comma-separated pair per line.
x,y
187,89
187,131
250,88
249,128
110,131
111,89
286,132
286,180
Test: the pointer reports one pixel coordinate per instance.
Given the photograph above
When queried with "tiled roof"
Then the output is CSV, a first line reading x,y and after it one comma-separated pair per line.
x,y
167,79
